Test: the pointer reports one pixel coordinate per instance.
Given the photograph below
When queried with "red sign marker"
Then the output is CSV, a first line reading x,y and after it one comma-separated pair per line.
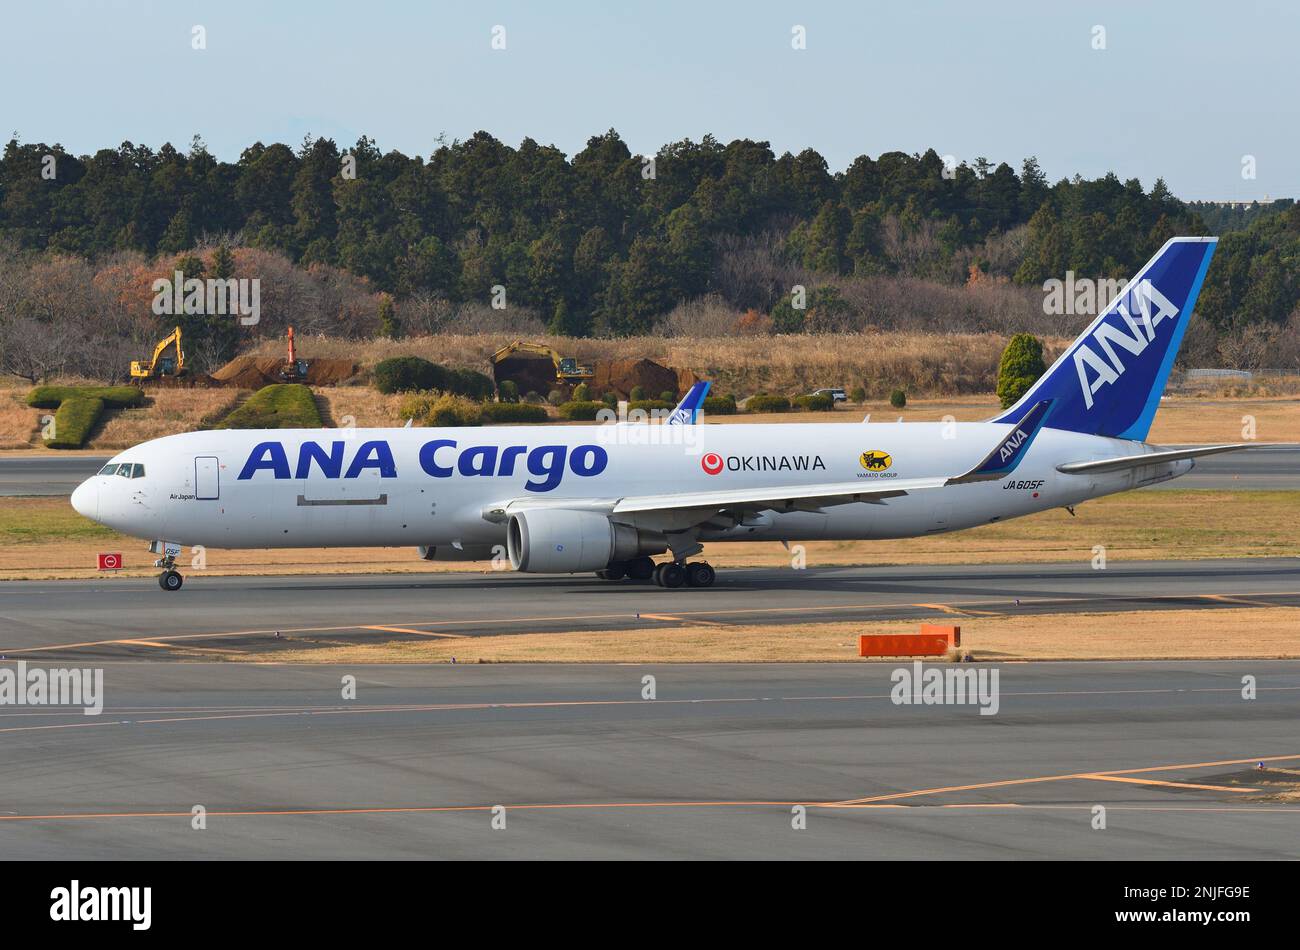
x,y
110,562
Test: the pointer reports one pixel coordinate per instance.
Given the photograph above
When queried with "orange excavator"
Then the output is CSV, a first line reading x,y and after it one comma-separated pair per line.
x,y
294,370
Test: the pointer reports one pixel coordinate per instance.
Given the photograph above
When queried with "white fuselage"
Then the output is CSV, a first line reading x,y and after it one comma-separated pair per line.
x,y
202,488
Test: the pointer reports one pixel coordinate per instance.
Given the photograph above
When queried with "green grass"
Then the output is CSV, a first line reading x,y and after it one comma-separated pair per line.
x,y
279,406
42,520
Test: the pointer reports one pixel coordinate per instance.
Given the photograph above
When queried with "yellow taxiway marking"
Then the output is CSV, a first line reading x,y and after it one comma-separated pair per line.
x,y
1156,781
1224,598
673,619
959,611
1069,776
420,633
690,616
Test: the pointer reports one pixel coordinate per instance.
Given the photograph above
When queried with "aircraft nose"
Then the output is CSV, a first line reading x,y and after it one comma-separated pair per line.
x,y
85,499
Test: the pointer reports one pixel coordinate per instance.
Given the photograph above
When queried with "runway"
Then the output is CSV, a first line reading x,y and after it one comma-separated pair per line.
x,y
54,475
118,618
724,762
1274,468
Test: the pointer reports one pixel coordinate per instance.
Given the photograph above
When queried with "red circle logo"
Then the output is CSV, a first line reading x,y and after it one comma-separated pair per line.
x,y
711,463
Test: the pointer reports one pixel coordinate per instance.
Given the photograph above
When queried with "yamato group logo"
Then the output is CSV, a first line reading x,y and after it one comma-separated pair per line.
x,y
711,463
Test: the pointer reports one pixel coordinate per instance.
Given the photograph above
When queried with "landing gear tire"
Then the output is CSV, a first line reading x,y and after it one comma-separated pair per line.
x,y
670,574
700,574
170,580
614,572
641,568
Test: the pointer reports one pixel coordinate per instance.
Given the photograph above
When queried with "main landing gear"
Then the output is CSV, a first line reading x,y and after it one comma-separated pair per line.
x,y
671,574
170,579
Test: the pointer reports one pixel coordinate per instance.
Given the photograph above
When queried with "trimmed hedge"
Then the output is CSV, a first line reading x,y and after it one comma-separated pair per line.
x,y
49,397
78,408
765,403
278,406
513,412
720,405
815,402
73,420
582,411
898,399
403,374
442,410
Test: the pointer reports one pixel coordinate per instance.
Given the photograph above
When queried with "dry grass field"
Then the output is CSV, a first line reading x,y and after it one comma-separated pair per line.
x,y
45,538
166,412
918,362
1248,633
19,422
363,406
1181,419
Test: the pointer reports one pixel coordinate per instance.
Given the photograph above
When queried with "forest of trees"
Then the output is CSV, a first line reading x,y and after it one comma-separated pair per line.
x,y
608,242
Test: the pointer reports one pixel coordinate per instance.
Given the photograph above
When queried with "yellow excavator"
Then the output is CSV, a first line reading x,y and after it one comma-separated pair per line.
x,y
567,368
160,364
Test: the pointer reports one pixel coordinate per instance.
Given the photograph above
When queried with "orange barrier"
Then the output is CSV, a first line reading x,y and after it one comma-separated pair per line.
x,y
943,630
933,640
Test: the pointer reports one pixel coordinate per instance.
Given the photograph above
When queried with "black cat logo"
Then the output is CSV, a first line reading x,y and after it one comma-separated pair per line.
x,y
876,460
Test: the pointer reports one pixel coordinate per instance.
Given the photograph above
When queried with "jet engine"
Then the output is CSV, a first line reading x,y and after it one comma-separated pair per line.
x,y
566,541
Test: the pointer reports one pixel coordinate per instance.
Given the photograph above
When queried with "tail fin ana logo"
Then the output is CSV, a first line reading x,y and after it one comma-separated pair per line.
x,y
1152,307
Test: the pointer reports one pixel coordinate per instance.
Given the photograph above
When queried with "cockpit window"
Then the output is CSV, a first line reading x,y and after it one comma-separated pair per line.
x,y
124,470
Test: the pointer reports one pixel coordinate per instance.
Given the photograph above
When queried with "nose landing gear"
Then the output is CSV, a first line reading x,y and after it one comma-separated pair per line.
x,y
170,579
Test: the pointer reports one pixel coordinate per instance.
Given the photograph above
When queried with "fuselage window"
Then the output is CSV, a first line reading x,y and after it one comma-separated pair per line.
x,y
124,471
137,470
108,470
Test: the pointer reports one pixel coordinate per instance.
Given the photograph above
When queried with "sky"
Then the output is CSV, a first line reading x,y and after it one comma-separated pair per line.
x,y
1194,92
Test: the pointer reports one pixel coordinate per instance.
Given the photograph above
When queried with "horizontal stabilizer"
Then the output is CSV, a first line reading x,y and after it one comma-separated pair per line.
x,y
1006,455
1152,458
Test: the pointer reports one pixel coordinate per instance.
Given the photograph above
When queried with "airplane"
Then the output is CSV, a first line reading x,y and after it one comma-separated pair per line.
x,y
610,499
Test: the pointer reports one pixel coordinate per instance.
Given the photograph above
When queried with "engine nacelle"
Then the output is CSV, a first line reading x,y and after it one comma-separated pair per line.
x,y
566,541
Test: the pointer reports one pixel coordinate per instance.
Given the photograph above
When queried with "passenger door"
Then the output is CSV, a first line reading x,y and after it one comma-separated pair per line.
x,y
207,478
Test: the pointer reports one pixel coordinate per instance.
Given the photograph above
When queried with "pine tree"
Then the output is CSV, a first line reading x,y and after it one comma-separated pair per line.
x,y
389,325
1020,367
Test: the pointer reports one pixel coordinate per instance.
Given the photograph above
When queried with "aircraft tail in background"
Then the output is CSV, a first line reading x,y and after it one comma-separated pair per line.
x,y
688,410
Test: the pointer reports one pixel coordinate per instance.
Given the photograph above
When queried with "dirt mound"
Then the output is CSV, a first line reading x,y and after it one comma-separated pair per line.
x,y
620,376
187,381
248,372
529,373
537,374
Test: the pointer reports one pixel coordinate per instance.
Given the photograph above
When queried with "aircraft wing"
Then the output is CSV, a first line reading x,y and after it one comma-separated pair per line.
x,y
1153,458
776,498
